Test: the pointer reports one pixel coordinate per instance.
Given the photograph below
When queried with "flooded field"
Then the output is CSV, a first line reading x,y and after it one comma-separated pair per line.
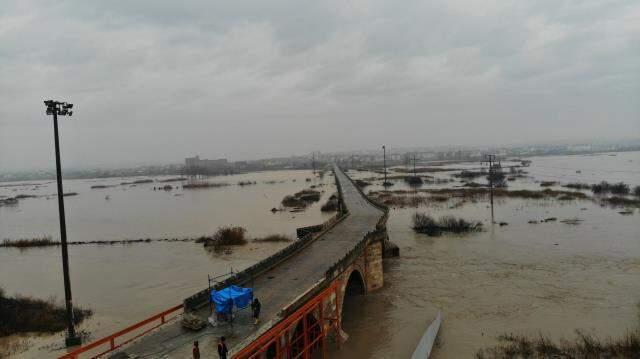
x,y
547,278
124,284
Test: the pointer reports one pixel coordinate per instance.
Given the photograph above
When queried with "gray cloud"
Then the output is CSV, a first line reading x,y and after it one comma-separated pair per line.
x,y
159,80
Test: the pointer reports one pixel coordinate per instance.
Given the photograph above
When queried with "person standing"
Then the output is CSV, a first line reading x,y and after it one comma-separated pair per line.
x,y
255,306
222,348
196,350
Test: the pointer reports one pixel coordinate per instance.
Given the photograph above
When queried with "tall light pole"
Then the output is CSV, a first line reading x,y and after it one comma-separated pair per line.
x,y
384,163
56,108
491,159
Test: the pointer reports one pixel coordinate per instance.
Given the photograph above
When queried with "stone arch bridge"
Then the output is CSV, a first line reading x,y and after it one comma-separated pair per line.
x,y
301,288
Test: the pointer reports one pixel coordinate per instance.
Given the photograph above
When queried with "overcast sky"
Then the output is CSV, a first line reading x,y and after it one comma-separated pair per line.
x,y
155,81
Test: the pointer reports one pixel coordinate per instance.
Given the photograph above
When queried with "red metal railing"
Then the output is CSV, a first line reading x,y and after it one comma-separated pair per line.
x,y
158,320
298,335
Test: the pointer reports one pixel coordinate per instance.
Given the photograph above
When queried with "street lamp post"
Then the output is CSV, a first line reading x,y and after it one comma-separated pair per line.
x,y
56,108
384,163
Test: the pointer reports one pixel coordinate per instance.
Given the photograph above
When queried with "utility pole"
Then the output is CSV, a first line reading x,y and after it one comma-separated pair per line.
x,y
384,163
414,166
56,108
491,159
313,161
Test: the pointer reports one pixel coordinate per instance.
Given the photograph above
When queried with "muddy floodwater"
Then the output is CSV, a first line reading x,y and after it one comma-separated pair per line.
x,y
124,284
548,278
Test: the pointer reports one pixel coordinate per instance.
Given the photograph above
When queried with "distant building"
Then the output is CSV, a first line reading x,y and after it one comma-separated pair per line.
x,y
195,165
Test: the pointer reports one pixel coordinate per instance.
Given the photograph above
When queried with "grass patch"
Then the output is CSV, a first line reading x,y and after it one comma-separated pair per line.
x,y
604,187
361,183
401,201
413,180
572,221
28,315
174,179
423,223
246,183
584,346
200,185
548,183
274,238
301,199
620,201
469,175
475,192
577,185
137,182
425,170
44,241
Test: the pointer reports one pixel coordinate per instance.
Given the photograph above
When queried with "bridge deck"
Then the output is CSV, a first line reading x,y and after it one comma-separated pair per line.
x,y
275,288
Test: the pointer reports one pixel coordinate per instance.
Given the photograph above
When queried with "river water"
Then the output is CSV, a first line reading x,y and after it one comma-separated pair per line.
x,y
550,278
124,284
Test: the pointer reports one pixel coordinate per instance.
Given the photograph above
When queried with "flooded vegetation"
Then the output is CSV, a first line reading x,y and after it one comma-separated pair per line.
x,y
301,199
331,205
29,242
22,314
566,260
564,254
583,346
274,238
226,237
423,223
199,185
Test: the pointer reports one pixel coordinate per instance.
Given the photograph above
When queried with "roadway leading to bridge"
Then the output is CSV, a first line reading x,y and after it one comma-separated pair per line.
x,y
276,288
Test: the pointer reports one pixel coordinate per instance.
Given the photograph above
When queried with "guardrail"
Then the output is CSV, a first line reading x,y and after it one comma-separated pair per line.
x,y
247,275
380,233
157,320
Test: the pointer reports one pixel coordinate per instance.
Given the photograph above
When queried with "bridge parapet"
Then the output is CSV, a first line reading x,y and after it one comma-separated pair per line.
x,y
245,276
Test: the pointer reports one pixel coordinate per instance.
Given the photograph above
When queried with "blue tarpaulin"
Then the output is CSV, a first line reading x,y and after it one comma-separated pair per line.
x,y
226,298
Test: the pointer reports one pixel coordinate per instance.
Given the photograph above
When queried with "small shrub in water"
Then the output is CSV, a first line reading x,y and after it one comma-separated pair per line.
x,y
423,223
274,238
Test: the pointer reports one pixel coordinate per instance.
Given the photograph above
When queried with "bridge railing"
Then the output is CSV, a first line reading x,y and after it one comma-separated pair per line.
x,y
384,208
247,275
116,340
380,233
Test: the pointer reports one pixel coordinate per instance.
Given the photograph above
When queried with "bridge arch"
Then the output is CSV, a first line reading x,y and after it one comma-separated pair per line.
x,y
355,284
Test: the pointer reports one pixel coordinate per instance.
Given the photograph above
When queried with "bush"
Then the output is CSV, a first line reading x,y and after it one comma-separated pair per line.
x,y
636,191
423,223
585,346
301,199
620,188
620,201
413,180
226,236
331,205
470,174
198,185
29,242
274,238
577,185
362,184
246,183
603,187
